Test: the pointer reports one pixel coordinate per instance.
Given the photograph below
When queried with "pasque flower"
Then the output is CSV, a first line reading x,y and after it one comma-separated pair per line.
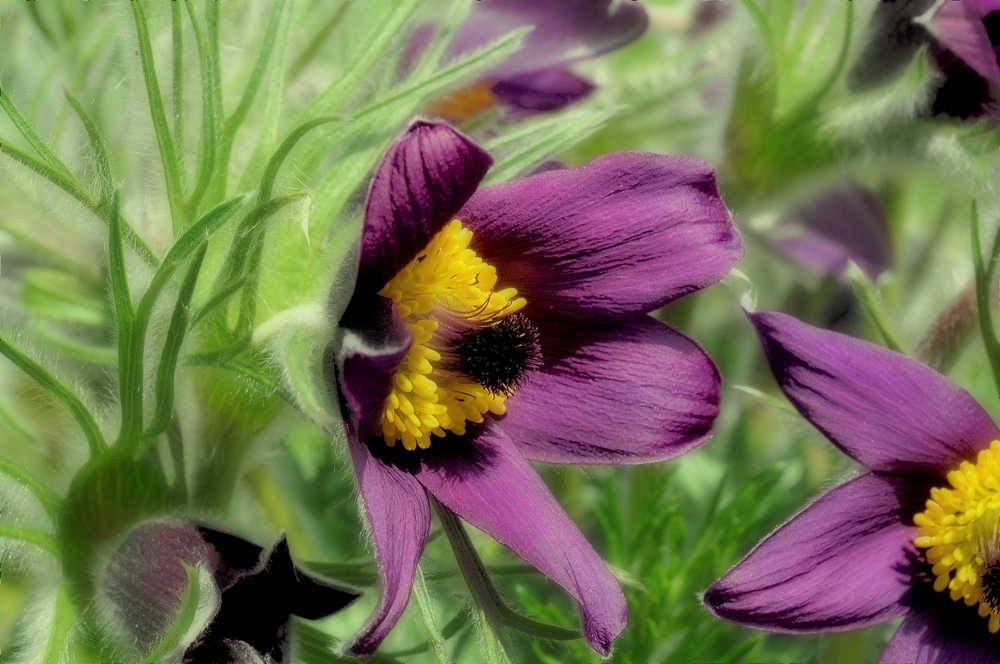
x,y
247,598
916,535
537,77
963,38
495,327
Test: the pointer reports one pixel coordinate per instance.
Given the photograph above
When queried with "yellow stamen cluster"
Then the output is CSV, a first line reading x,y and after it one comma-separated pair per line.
x,y
445,279
465,103
959,529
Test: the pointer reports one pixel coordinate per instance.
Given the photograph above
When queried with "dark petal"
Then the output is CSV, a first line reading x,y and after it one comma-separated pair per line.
x,y
959,27
623,234
565,31
398,512
847,223
637,392
939,631
232,557
256,608
542,90
491,486
893,39
883,409
359,366
146,581
422,181
844,562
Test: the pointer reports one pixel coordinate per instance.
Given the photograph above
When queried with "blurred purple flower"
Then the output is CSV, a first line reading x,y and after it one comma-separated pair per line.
x,y
854,557
841,224
567,369
536,78
964,39
146,583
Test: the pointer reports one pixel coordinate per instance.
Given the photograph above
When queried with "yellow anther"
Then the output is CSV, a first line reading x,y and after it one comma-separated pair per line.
x,y
447,275
960,532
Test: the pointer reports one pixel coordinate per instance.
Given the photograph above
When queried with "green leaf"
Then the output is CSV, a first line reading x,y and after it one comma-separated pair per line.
x,y
538,139
983,295
426,606
132,377
61,393
31,536
74,189
62,622
171,167
172,348
177,42
386,31
223,293
493,649
33,139
105,180
174,637
866,293
207,41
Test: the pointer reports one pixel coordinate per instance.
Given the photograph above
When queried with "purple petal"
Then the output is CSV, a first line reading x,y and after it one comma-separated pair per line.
x,y
565,31
398,513
623,234
638,392
844,562
940,631
146,581
421,182
542,90
359,368
842,224
959,26
885,410
492,487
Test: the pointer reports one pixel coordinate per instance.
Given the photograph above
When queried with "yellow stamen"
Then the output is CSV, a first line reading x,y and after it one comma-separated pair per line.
x,y
449,277
465,103
960,529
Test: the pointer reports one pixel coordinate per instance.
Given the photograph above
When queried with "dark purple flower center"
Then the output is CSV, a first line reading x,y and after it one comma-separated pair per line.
x,y
990,584
500,357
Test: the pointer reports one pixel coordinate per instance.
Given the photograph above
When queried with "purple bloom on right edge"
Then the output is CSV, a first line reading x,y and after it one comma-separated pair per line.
x,y
917,535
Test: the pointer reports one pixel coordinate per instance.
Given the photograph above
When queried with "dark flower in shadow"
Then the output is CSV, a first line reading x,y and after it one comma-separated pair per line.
x,y
247,594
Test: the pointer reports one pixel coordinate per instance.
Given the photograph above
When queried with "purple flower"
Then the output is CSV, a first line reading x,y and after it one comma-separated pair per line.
x,y
536,78
144,585
495,327
856,556
841,224
964,39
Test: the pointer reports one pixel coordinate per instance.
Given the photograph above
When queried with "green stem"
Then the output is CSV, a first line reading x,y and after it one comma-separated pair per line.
x,y
983,297
864,291
61,393
171,167
48,499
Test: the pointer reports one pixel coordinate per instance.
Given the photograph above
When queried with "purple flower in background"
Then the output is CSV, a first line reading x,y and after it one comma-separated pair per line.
x,y
252,596
536,78
964,44
897,540
838,225
495,327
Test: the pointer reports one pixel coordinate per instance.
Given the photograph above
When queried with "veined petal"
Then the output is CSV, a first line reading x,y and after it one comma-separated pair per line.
x,y
959,26
398,512
636,392
842,563
541,90
939,631
623,234
565,31
421,182
885,410
491,486
359,366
